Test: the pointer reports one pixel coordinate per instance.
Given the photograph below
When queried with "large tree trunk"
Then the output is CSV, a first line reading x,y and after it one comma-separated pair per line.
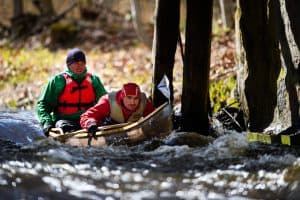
x,y
259,57
290,43
196,66
164,44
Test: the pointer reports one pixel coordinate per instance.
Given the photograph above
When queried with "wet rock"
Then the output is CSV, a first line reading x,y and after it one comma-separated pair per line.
x,y
192,139
19,127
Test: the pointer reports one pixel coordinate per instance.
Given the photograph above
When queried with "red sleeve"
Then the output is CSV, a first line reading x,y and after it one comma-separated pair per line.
x,y
149,108
97,113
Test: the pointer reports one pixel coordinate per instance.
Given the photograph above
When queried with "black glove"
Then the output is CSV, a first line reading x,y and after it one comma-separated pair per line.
x,y
46,129
92,129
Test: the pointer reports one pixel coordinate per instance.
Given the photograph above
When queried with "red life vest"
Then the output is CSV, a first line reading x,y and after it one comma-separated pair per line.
x,y
76,97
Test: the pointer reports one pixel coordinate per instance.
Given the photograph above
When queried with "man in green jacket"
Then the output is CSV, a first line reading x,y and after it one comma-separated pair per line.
x,y
69,94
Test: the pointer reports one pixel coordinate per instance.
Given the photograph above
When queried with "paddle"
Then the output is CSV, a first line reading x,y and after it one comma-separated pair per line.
x,y
54,131
110,129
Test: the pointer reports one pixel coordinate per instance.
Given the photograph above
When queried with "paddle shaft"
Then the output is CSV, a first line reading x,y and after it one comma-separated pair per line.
x,y
100,128
103,130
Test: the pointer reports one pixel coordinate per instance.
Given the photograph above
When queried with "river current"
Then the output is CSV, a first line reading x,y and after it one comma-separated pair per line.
x,y
227,168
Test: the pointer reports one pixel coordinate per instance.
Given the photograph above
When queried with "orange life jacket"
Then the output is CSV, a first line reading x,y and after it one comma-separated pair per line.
x,y
76,97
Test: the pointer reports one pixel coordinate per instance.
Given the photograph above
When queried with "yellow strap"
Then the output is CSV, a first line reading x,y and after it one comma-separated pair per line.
x,y
286,139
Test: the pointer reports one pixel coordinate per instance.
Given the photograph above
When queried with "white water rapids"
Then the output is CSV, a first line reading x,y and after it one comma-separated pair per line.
x,y
227,168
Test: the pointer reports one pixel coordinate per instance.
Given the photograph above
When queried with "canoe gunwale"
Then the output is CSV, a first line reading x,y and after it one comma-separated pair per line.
x,y
127,131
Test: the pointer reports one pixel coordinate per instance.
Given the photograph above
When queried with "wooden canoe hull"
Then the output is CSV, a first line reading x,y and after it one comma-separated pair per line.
x,y
122,138
157,124
290,140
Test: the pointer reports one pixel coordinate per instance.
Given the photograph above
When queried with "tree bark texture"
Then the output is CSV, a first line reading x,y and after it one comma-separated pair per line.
x,y
196,66
290,42
166,33
260,41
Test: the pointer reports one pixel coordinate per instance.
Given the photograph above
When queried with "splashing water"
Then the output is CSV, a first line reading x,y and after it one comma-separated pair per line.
x,y
226,168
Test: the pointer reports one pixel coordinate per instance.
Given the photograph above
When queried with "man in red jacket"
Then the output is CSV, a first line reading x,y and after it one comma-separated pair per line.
x,y
126,105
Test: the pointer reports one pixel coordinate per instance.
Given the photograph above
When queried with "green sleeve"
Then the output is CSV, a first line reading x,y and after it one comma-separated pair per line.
x,y
98,87
48,100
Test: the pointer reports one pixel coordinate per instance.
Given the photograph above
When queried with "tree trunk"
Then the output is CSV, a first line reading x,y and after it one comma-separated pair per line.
x,y
259,57
18,21
142,24
45,7
18,8
227,12
164,45
196,66
290,43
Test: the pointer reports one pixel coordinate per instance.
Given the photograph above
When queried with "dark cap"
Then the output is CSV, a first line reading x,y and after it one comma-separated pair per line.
x,y
75,55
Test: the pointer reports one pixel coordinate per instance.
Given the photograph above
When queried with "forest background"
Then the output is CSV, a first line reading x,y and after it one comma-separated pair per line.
x,y
115,49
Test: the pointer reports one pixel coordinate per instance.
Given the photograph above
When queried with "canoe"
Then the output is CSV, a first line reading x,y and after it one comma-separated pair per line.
x,y
156,124
268,138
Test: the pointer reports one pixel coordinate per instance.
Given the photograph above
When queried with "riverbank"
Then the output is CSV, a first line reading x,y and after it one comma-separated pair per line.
x,y
27,66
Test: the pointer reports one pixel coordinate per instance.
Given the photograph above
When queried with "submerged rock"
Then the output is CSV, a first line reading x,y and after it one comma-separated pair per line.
x,y
19,127
192,139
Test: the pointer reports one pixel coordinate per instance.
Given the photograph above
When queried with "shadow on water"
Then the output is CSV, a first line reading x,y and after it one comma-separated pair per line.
x,y
225,168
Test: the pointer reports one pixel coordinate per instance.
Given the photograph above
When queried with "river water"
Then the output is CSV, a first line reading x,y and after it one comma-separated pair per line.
x,y
227,168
